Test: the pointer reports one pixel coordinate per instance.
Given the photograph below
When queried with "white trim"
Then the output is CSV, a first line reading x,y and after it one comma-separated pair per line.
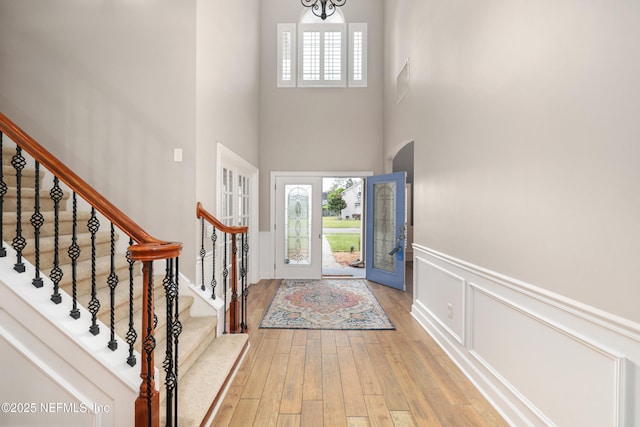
x,y
226,157
291,30
357,28
322,29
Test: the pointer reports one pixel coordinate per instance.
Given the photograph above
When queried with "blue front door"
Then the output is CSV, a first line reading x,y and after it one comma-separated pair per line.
x,y
386,229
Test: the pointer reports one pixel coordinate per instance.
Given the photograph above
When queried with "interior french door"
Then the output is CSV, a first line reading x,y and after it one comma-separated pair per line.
x,y
386,229
298,227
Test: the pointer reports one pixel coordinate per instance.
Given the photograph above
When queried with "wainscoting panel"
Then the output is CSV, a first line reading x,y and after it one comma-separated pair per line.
x,y
442,297
575,382
539,358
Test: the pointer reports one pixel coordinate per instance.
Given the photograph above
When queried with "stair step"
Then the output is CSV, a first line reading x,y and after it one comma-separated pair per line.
x,y
122,326
28,197
47,244
197,333
28,178
65,223
102,271
202,385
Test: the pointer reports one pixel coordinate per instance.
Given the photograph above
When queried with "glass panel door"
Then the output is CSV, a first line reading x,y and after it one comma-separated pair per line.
x,y
297,227
385,229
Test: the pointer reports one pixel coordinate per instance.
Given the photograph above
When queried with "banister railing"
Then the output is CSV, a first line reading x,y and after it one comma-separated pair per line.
x,y
230,261
142,247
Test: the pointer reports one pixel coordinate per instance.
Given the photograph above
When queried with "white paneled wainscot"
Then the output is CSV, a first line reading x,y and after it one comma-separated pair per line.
x,y
540,359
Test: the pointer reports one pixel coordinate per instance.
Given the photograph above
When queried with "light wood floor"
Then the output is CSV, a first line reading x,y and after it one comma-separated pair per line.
x,y
314,378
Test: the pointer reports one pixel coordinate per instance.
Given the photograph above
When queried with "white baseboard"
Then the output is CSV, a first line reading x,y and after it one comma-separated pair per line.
x,y
539,358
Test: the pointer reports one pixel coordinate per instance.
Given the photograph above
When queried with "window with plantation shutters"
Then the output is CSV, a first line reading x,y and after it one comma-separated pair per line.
x,y
322,55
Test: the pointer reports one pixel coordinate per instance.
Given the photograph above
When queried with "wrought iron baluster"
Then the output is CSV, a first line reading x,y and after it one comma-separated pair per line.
x,y
243,275
37,220
19,242
167,364
149,344
177,330
214,280
233,309
174,328
112,281
131,332
56,273
225,274
203,252
74,254
94,304
3,192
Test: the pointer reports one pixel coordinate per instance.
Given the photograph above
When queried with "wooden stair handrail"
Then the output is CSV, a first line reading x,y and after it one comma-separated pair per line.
x,y
78,185
202,213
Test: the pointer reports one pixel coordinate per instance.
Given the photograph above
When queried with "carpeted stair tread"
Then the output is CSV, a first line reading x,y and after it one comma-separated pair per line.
x,y
28,196
102,271
202,384
47,245
65,223
197,333
122,326
121,297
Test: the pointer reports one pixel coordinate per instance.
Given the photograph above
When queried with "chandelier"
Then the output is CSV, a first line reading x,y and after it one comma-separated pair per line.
x,y
323,10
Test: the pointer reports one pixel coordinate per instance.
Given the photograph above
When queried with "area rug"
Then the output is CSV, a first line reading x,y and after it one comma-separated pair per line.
x,y
325,304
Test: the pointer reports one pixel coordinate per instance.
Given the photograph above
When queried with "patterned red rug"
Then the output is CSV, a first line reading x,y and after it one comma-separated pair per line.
x,y
325,304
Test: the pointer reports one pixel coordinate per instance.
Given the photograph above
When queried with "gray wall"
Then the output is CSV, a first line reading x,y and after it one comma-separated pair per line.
x,y
310,129
111,88
524,117
228,93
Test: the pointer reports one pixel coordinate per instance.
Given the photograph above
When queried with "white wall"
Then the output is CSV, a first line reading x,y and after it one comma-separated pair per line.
x,y
525,124
311,129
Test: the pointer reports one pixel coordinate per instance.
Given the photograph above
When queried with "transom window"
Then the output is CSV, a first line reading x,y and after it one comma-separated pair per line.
x,y
316,53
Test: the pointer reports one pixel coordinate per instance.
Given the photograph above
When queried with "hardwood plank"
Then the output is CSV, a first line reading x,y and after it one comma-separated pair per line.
x,y
299,337
420,407
402,419
312,413
379,415
314,334
267,413
354,404
391,390
366,369
332,396
284,341
328,342
292,392
342,339
312,386
289,420
228,406
245,413
260,370
421,355
358,422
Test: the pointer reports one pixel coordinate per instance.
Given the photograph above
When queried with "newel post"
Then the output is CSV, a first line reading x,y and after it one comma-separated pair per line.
x,y
147,405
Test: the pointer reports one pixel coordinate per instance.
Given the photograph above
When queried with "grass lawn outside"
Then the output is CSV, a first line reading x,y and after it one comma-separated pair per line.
x,y
344,242
332,222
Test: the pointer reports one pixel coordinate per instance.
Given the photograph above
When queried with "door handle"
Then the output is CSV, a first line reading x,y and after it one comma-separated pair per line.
x,y
394,250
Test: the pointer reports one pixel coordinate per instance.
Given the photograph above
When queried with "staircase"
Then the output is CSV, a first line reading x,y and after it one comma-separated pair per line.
x,y
206,361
